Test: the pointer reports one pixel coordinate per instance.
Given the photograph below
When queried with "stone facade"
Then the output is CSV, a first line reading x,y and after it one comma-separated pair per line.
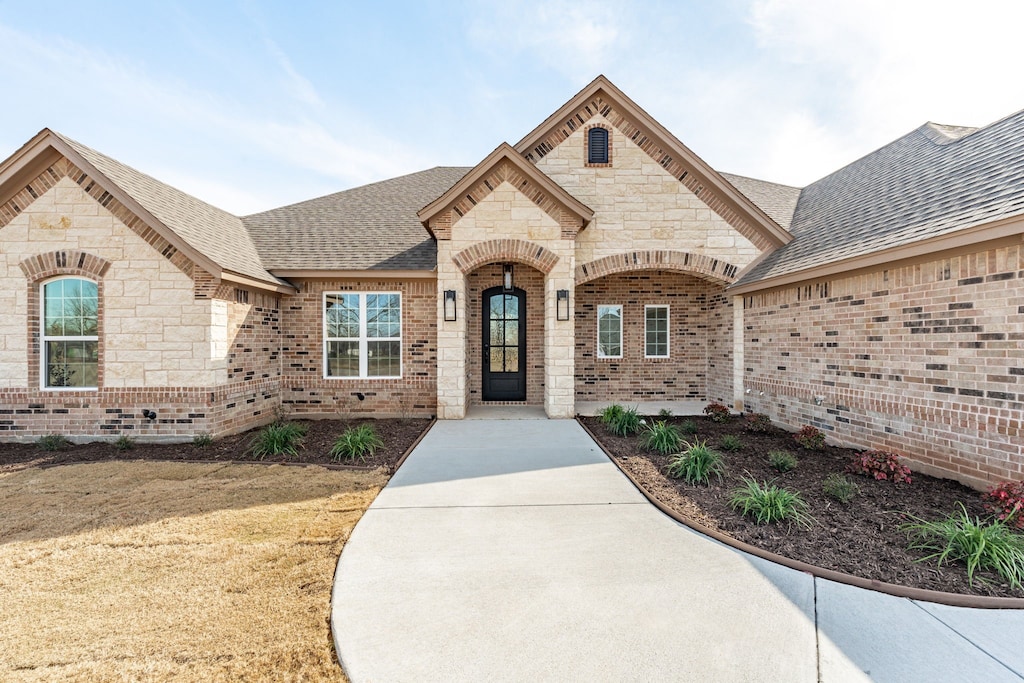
x,y
926,359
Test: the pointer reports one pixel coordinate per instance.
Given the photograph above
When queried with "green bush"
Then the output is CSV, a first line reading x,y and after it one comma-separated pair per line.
x,y
980,545
730,443
782,461
661,437
626,423
124,443
664,413
610,414
839,487
202,440
52,442
356,444
688,427
696,464
278,438
767,503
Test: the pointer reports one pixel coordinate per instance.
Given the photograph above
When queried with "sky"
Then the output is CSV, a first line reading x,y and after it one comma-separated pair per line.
x,y
251,105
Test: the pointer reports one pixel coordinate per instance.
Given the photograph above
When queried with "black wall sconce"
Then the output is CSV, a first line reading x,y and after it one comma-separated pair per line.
x,y
562,305
449,305
506,277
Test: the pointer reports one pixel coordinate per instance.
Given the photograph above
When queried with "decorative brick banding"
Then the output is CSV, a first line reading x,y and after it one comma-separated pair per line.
x,y
704,267
646,141
64,262
494,251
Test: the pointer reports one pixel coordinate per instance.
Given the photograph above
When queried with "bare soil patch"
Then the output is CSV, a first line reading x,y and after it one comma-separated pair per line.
x,y
397,434
862,538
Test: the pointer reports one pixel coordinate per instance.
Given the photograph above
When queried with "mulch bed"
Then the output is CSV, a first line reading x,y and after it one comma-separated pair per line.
x,y
398,435
862,538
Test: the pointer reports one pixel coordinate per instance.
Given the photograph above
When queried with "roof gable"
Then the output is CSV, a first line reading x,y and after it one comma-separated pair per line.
x,y
602,97
504,164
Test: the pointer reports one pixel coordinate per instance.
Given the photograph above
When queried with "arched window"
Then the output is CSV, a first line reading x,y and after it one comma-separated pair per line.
x,y
597,146
70,334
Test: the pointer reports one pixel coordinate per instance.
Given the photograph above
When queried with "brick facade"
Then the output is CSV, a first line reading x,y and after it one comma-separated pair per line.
x,y
306,393
684,375
925,359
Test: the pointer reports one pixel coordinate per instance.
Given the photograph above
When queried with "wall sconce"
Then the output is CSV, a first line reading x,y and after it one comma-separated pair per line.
x,y
506,276
562,307
449,305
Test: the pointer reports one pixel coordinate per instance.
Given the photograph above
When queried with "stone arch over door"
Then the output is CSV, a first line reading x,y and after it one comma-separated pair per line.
x,y
493,251
699,265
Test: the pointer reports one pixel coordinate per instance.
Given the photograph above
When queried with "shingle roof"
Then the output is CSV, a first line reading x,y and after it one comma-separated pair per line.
x,y
933,181
778,201
214,233
365,228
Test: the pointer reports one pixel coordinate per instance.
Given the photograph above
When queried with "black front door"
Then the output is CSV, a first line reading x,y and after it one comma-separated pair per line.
x,y
504,338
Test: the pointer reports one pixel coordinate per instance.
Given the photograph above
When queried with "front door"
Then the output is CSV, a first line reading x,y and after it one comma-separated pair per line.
x,y
504,338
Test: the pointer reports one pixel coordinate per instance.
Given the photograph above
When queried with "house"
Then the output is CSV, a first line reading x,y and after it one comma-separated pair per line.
x,y
598,259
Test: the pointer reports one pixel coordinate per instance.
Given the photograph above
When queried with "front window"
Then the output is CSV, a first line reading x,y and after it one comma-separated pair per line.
x,y
70,339
609,331
656,331
363,335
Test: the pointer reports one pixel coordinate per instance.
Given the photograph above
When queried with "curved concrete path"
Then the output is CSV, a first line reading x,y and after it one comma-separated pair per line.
x,y
508,550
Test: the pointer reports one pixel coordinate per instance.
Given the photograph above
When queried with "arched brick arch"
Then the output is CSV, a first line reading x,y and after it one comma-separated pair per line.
x,y
64,262
702,266
520,251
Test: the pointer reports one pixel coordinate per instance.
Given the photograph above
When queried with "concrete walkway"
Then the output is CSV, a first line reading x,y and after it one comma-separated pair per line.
x,y
512,550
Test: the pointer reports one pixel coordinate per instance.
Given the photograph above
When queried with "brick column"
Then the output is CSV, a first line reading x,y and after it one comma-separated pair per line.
x,y
737,353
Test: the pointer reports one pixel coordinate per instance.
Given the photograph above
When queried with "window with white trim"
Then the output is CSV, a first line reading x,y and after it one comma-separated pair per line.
x,y
609,331
656,331
70,334
363,334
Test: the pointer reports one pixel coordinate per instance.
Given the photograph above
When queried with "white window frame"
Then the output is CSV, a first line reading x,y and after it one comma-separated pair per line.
x,y
622,342
363,340
44,375
668,329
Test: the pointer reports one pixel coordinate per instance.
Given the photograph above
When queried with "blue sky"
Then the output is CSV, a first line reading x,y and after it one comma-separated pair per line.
x,y
251,105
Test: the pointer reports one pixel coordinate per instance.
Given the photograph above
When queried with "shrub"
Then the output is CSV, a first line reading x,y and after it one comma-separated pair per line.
x,y
810,437
610,414
767,503
661,437
980,545
202,440
664,413
52,442
839,487
730,443
356,443
882,465
1006,502
696,464
688,427
626,423
758,422
782,461
717,412
278,438
124,443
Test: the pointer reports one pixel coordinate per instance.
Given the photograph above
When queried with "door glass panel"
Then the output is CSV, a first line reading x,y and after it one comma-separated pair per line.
x,y
512,332
511,359
496,337
497,309
497,358
511,307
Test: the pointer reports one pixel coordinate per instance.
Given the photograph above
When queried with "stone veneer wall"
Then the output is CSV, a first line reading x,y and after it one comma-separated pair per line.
x,y
682,376
924,359
529,280
306,393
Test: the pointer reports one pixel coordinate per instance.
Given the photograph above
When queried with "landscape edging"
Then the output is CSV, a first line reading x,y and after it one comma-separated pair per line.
x,y
922,594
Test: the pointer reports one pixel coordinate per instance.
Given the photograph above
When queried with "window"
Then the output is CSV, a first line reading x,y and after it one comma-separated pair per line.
x,y
609,331
656,331
597,146
363,335
70,339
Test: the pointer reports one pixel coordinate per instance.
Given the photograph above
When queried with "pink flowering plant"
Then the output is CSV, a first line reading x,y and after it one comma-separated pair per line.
x,y
882,465
1006,501
810,437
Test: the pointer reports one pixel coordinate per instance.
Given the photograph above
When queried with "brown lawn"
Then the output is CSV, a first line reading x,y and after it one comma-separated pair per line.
x,y
173,571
